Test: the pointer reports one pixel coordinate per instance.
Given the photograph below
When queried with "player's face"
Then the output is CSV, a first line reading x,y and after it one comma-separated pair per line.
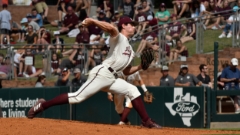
x,y
130,28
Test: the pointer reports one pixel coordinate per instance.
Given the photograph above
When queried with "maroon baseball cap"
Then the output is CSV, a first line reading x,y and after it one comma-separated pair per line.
x,y
125,20
162,5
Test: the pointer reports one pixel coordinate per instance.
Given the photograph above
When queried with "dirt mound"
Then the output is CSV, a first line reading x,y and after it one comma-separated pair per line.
x,y
39,126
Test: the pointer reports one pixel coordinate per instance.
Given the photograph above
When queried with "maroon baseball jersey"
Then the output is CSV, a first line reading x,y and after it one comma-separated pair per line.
x,y
80,57
93,29
83,37
190,29
54,64
141,18
70,19
153,23
150,36
224,14
175,28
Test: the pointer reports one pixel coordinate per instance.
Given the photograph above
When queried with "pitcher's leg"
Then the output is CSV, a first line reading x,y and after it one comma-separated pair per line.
x,y
120,86
94,83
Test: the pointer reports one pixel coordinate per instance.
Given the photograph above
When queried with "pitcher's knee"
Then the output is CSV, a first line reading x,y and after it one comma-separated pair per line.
x,y
133,92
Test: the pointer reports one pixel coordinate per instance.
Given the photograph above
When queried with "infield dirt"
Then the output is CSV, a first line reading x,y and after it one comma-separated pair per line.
x,y
40,126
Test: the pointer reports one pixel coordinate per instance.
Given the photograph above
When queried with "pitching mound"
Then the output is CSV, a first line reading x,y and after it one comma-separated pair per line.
x,y
24,126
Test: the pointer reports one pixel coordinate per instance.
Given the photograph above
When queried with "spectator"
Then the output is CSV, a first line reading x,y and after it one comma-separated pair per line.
x,y
70,21
163,15
225,11
78,79
203,11
18,65
146,8
15,32
179,50
128,8
78,57
5,69
82,5
166,79
210,13
31,37
40,81
153,22
141,18
190,29
115,18
95,58
82,38
195,10
181,8
175,29
230,76
102,16
185,79
61,12
35,26
148,40
23,31
58,44
29,68
44,38
220,84
5,18
149,3
229,26
42,9
95,35
37,17
203,77
63,80
55,63
89,2
107,7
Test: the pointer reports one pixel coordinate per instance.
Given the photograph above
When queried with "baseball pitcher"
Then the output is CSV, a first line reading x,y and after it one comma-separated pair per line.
x,y
104,77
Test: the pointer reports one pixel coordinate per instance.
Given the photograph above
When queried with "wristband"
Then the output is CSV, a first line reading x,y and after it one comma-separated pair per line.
x,y
144,87
109,93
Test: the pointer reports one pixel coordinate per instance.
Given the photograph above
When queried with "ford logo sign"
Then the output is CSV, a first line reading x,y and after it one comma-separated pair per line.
x,y
185,107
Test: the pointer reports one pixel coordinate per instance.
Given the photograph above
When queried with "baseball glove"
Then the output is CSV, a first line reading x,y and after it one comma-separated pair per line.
x,y
148,97
147,57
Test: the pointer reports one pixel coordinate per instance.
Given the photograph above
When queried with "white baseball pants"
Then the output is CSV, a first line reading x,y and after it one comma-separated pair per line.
x,y
100,78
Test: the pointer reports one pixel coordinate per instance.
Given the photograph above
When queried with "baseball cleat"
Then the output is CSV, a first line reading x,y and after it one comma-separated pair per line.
x,y
124,123
150,124
37,108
